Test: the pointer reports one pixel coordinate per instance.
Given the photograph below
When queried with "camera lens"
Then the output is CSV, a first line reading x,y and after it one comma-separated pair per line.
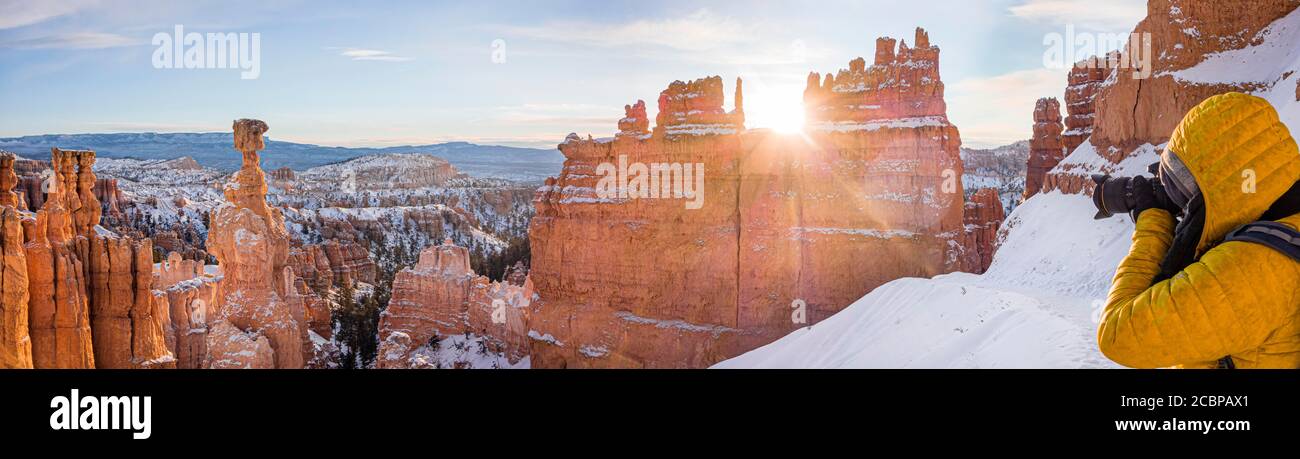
x,y
1112,195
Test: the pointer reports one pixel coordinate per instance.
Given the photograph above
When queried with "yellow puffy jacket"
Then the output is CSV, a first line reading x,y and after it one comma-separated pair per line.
x,y
1239,299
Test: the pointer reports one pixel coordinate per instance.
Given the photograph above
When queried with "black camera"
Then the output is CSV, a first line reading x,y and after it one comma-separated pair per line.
x,y
1116,195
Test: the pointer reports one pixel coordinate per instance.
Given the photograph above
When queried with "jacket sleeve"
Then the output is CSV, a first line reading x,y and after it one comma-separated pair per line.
x,y
1213,308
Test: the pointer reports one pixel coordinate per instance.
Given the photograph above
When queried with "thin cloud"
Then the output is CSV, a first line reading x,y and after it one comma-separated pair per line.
x,y
698,31
360,54
1098,14
20,13
74,40
698,37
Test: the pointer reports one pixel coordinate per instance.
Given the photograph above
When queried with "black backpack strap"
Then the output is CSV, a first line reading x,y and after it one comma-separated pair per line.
x,y
1276,236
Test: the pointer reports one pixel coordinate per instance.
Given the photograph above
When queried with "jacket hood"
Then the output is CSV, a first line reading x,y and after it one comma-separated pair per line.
x,y
1241,156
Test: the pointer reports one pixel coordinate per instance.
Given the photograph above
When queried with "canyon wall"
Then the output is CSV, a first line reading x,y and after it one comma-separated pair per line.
x,y
781,231
1132,111
1182,34
91,303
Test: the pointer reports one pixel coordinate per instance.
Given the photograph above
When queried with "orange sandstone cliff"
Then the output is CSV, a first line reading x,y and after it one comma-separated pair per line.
x,y
767,234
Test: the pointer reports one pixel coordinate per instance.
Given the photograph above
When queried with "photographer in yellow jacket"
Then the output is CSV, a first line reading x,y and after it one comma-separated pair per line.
x,y
1219,286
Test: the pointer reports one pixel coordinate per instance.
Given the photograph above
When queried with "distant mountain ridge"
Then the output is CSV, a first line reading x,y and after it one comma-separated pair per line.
x,y
214,150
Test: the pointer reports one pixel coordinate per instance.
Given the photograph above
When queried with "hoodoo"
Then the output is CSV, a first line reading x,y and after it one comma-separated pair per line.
x,y
1045,149
250,243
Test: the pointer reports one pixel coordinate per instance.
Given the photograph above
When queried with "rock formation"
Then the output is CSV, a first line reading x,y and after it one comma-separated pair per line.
x,y
169,241
111,199
785,231
8,180
15,339
1085,80
1182,33
127,318
1045,148
283,173
695,107
442,296
28,188
191,296
517,274
87,215
312,266
58,307
332,263
91,300
899,87
80,296
635,123
983,217
319,320
232,348
249,240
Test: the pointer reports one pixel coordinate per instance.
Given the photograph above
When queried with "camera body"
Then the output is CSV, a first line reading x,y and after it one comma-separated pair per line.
x,y
1115,195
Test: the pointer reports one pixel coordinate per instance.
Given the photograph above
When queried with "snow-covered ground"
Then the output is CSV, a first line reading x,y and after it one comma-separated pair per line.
x,y
464,352
1039,303
1036,307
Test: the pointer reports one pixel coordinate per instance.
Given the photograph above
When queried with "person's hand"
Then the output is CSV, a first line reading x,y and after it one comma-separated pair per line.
x,y
1147,195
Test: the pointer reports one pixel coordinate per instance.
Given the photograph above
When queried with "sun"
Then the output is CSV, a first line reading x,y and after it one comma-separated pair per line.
x,y
785,119
778,109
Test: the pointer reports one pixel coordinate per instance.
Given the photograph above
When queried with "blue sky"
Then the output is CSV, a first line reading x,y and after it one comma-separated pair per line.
x,y
392,73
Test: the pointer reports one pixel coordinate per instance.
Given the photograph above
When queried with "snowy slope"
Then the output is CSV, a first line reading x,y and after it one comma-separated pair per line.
x,y
1039,303
1035,308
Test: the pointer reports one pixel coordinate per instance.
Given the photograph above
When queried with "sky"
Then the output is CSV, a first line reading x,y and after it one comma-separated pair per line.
x,y
520,73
